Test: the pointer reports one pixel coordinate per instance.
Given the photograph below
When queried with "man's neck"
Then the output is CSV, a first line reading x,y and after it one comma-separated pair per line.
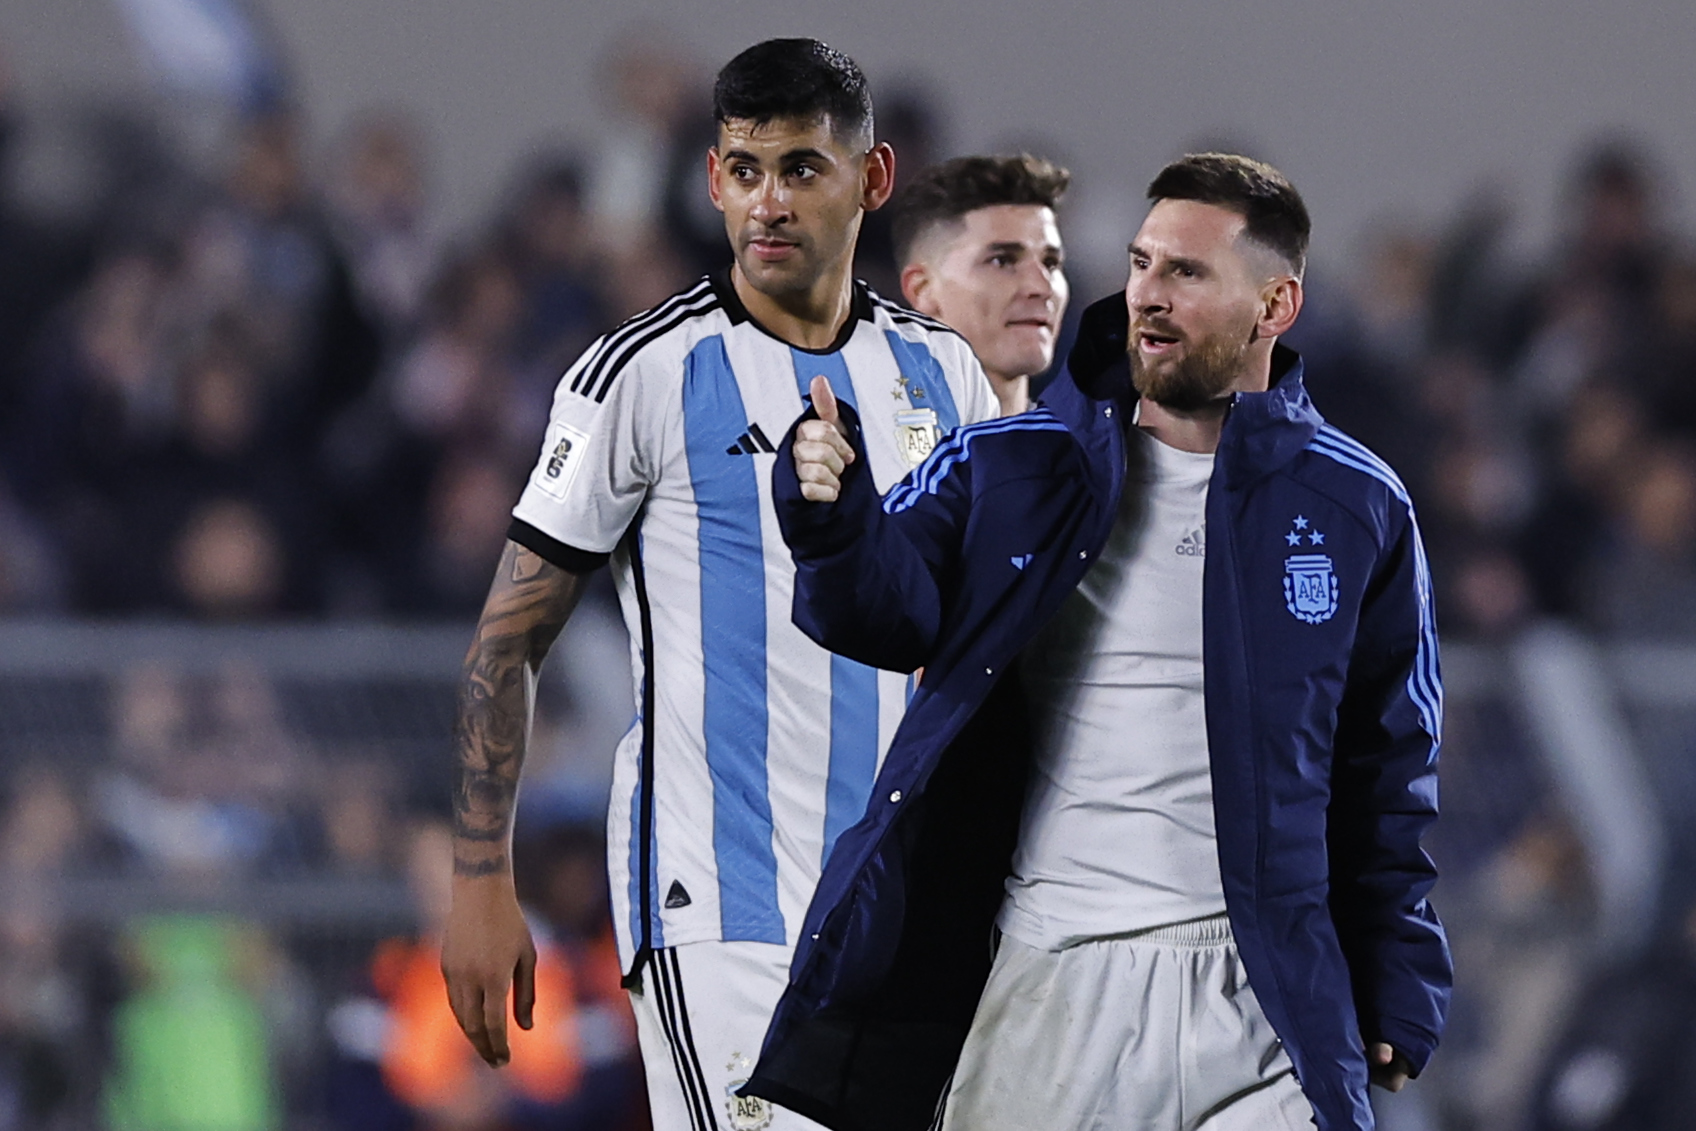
x,y
1199,430
1014,393
809,319
1196,431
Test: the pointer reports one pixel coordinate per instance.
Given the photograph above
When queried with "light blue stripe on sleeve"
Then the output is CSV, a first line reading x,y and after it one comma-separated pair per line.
x,y
927,387
831,365
733,645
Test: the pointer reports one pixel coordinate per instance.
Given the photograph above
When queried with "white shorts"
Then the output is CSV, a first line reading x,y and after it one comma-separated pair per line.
x,y
700,1020
1157,1031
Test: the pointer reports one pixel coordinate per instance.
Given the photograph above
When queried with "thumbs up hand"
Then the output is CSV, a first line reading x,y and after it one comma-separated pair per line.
x,y
821,450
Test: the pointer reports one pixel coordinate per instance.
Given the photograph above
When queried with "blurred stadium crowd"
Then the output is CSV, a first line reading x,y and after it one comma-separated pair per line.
x,y
276,391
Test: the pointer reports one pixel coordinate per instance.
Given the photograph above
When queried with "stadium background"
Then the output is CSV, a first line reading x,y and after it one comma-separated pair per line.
x,y
283,291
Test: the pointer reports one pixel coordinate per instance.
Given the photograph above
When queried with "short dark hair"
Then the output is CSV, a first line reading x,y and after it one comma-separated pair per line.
x,y
943,193
1274,215
800,79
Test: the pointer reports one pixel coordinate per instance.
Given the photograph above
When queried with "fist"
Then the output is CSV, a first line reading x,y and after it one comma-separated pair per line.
x,y
821,450
1389,1069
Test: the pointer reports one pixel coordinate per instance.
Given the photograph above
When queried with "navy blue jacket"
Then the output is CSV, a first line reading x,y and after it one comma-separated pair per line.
x,y
1323,712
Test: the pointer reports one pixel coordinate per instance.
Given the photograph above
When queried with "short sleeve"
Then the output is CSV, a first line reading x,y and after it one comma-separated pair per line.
x,y
598,459
976,396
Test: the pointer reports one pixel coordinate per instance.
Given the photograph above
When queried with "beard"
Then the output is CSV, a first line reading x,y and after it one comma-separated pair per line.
x,y
1192,382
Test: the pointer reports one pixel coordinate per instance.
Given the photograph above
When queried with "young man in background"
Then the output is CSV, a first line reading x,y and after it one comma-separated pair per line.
x,y
979,249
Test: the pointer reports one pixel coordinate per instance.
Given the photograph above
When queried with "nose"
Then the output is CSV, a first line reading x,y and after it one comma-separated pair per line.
x,y
1146,294
1038,281
771,202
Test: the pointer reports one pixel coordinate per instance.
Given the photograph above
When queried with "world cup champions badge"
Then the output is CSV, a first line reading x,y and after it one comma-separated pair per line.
x,y
916,433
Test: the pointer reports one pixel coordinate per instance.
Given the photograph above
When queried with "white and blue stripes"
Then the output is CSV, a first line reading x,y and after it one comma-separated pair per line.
x,y
731,553
928,477
1424,685
853,685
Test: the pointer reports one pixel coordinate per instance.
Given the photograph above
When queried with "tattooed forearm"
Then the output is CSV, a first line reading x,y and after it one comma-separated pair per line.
x,y
527,606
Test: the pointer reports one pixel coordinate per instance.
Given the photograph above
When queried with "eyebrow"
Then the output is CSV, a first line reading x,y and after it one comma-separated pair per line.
x,y
1175,260
788,158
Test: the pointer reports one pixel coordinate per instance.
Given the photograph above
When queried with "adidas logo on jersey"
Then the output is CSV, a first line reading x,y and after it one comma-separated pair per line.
x,y
1194,544
751,442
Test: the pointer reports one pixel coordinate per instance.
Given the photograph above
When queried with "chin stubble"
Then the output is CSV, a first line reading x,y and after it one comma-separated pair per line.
x,y
1196,380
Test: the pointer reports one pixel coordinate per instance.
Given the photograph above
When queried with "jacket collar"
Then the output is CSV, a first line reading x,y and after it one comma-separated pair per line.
x,y
1263,431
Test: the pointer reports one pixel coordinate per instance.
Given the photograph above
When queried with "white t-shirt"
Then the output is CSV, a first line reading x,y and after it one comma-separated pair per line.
x,y
1117,834
660,449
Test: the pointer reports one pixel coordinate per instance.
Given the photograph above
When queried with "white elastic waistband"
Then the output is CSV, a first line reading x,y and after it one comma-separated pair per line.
x,y
1211,931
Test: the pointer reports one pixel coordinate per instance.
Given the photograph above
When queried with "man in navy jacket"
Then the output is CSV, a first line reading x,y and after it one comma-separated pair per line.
x,y
1317,715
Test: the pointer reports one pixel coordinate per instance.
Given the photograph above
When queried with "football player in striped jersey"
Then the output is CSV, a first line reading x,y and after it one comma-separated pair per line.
x,y
752,747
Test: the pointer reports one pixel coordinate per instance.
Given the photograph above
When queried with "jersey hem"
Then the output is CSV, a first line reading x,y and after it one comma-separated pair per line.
x,y
627,953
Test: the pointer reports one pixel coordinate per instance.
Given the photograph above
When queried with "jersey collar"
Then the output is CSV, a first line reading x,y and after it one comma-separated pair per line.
x,y
859,310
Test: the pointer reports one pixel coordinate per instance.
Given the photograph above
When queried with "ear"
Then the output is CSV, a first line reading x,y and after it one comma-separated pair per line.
x,y
712,178
916,288
879,180
1280,303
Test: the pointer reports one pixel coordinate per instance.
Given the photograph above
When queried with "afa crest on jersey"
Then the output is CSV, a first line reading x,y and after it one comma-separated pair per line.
x,y
747,1113
916,433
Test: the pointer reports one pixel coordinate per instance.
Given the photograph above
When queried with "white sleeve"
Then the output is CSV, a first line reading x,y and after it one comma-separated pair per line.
x,y
598,459
975,396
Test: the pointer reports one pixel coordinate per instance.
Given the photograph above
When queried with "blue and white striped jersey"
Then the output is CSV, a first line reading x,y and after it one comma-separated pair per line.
x,y
753,748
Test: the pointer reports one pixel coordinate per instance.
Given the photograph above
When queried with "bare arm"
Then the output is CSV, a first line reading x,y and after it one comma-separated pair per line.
x,y
528,605
487,948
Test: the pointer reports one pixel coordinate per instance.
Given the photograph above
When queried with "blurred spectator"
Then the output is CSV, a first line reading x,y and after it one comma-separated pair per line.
x,y
99,396
265,246
1670,389
44,1023
469,510
191,1046
1626,1059
203,783
31,573
377,202
1584,484
549,239
562,873
42,830
453,387
1643,584
648,82
357,812
229,494
650,169
1522,945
